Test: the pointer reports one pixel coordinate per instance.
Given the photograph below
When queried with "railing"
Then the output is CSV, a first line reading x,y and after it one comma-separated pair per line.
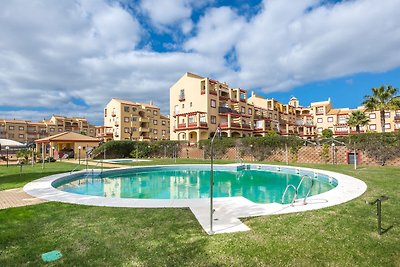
x,y
397,118
297,190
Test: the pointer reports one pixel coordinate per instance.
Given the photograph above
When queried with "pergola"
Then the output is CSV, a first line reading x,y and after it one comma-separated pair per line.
x,y
79,143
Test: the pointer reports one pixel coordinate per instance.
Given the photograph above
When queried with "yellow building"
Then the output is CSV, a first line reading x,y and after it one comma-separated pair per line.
x,y
27,131
199,104
128,120
326,117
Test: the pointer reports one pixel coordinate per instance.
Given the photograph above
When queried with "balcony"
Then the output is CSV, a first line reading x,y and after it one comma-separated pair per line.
x,y
213,92
143,119
181,97
116,124
235,125
226,98
246,126
397,118
142,129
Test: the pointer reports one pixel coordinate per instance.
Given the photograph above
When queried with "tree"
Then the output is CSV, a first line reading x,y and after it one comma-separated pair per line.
x,y
382,98
327,133
358,119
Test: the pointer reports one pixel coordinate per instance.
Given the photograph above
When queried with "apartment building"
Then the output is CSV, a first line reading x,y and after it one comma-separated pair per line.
x,y
127,120
199,104
24,131
327,117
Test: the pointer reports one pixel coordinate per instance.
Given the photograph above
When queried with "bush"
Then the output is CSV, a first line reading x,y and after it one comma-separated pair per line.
x,y
114,149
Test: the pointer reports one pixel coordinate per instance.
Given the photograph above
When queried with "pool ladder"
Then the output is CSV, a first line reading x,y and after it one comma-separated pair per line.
x,y
296,190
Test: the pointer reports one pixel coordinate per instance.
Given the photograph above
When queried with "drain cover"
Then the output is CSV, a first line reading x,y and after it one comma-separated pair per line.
x,y
51,256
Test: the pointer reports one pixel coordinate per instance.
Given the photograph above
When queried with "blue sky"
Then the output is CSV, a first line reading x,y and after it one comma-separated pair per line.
x,y
71,57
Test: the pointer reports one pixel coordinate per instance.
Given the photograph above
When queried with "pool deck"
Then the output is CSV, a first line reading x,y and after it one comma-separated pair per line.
x,y
228,210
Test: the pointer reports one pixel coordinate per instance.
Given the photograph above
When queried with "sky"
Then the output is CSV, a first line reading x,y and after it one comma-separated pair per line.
x,y
70,57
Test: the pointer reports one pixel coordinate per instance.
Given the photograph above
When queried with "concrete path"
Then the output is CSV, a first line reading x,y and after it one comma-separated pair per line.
x,y
97,164
16,198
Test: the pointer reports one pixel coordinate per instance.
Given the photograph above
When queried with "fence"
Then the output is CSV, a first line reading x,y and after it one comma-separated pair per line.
x,y
306,154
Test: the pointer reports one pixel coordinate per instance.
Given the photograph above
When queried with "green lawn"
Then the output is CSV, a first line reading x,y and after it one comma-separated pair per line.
x,y
11,176
343,235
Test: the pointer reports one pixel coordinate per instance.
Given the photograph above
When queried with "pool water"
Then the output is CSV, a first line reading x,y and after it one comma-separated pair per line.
x,y
257,186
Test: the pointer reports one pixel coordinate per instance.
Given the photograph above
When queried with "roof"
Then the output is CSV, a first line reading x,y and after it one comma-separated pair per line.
x,y
135,103
164,117
67,137
8,142
15,121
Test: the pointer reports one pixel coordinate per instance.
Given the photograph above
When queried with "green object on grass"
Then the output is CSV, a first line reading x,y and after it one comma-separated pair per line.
x,y
51,256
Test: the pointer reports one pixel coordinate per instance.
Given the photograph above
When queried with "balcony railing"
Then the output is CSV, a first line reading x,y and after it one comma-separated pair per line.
x,y
181,97
227,110
397,118
221,97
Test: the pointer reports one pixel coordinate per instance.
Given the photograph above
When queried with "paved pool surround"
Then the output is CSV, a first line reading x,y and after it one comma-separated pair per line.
x,y
228,210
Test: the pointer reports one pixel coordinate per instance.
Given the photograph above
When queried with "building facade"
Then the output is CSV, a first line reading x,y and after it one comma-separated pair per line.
x,y
127,120
24,131
198,105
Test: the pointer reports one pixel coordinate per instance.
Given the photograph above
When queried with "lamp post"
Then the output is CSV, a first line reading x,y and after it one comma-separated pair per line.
x,y
52,151
79,155
251,151
333,153
218,131
7,148
165,151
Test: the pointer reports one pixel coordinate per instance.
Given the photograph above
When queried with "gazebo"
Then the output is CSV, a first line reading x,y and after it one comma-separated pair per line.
x,y
59,144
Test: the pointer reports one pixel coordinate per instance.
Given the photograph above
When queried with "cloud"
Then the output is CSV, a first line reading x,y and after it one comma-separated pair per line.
x,y
54,53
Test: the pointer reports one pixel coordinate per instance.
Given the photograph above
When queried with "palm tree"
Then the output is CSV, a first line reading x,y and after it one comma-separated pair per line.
x,y
358,119
382,98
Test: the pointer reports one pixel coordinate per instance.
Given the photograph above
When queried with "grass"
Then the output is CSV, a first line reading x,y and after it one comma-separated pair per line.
x,y
343,235
11,177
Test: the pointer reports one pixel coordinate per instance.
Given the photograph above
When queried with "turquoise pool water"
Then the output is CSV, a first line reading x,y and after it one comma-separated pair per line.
x,y
259,186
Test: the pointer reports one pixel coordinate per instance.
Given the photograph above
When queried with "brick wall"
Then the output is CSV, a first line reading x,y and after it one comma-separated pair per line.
x,y
306,154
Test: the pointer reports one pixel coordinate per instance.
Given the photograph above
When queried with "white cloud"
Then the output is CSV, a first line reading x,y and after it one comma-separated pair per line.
x,y
166,12
86,50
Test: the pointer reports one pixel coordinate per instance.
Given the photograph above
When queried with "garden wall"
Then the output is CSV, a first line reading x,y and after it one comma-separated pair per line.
x,y
306,154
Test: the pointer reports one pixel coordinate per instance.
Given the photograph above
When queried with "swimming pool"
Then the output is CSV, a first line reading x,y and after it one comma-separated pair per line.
x,y
234,201
257,185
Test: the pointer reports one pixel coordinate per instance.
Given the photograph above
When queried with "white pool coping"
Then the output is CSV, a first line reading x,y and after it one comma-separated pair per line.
x,y
228,210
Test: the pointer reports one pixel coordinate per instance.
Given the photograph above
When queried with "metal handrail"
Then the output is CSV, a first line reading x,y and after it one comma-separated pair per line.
x,y
284,193
297,190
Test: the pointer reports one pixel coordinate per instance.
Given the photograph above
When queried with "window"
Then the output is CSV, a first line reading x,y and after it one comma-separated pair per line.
x,y
319,130
320,110
155,131
270,115
52,129
134,129
372,115
387,115
213,119
10,127
213,103
176,109
342,119
126,130
182,94
387,126
105,112
155,122
164,132
60,130
190,104
91,130
154,112
243,110
21,136
341,129
397,125
134,109
134,118
330,119
163,122
126,109
21,128
250,111
372,127
183,106
275,117
319,120
126,119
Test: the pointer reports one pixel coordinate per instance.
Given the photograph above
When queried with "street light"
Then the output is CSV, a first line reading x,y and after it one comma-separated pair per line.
x,y
53,148
7,148
79,154
333,153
